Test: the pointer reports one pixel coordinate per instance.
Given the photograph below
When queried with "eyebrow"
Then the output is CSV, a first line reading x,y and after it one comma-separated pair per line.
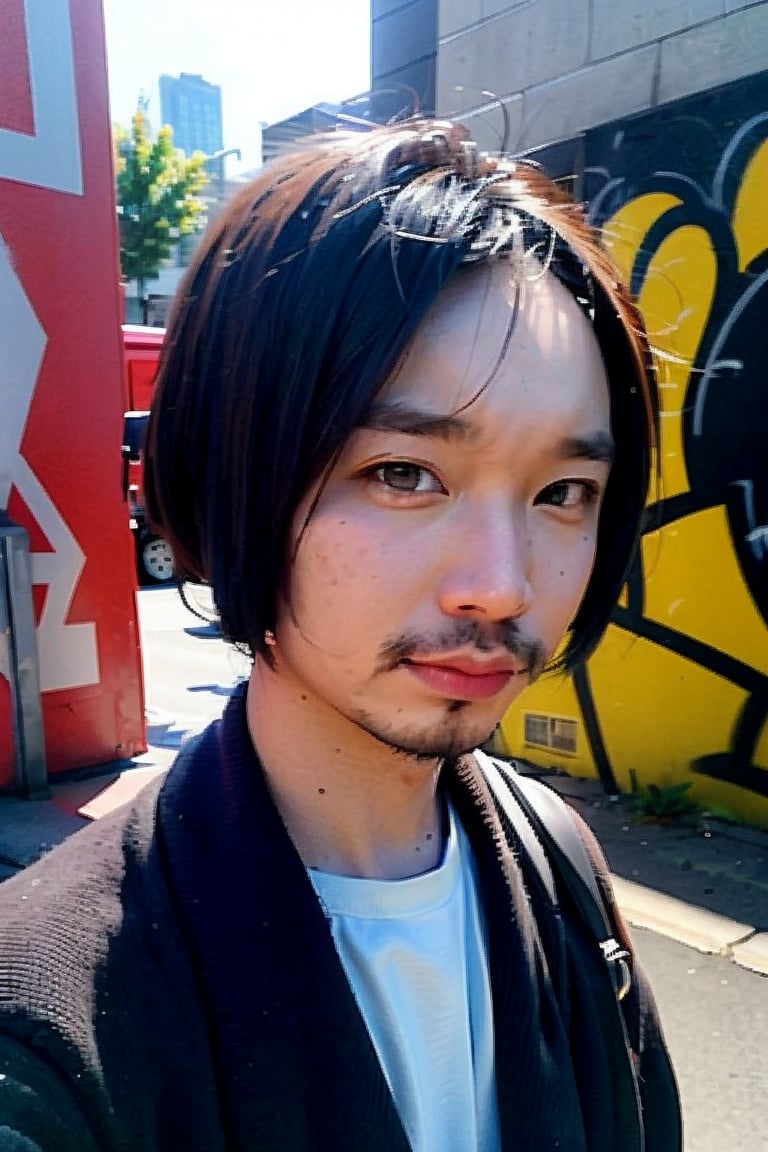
x,y
397,416
594,446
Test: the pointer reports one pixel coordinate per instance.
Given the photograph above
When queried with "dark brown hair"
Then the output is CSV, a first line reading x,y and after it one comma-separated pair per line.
x,y
300,302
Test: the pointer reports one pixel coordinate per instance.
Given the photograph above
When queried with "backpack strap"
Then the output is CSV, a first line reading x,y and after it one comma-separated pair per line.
x,y
542,822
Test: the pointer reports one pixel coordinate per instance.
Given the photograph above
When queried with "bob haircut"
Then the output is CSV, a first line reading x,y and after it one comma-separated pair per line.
x,y
299,306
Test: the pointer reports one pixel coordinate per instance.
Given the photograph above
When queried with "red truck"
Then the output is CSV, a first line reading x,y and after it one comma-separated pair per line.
x,y
141,353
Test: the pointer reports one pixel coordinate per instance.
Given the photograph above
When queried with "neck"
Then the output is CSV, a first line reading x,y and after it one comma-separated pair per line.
x,y
351,804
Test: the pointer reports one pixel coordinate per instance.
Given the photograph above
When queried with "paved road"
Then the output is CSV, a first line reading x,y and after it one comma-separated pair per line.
x,y
716,1019
188,671
715,1013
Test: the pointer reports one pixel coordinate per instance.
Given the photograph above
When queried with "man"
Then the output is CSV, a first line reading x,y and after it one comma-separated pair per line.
x,y
403,425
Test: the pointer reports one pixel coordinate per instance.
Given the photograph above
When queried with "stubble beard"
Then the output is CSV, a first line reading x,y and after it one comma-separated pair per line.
x,y
447,738
458,729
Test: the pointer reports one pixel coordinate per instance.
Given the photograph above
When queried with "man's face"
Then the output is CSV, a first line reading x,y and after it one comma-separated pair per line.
x,y
453,541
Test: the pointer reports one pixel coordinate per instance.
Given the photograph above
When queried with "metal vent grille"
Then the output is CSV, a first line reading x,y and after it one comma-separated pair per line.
x,y
550,732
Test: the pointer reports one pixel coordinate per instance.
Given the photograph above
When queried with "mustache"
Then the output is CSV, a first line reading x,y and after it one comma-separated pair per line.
x,y
475,634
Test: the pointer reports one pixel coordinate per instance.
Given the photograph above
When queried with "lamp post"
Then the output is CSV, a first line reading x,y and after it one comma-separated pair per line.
x,y
220,155
212,197
218,179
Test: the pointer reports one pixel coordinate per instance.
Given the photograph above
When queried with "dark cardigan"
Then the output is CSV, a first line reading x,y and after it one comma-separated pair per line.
x,y
168,982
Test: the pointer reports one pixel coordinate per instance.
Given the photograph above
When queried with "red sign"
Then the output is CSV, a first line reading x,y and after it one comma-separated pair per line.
x,y
61,387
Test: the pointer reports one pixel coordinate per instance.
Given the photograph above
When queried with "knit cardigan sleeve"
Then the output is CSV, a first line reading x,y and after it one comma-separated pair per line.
x,y
103,1040
37,1114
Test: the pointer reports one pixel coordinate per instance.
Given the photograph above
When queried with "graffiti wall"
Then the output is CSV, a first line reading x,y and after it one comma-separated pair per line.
x,y
678,689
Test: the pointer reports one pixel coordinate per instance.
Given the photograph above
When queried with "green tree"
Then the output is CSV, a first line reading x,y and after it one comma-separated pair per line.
x,y
156,188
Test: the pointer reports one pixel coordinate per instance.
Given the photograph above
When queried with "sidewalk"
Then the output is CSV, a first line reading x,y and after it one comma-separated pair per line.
x,y
704,886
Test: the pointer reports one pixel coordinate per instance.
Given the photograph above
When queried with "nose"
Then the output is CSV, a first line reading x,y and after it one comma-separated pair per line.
x,y
488,573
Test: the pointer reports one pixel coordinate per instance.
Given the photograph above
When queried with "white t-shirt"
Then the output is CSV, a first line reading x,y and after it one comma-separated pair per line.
x,y
414,952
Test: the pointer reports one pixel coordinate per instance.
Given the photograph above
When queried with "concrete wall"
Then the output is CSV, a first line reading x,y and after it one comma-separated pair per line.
x,y
563,66
403,55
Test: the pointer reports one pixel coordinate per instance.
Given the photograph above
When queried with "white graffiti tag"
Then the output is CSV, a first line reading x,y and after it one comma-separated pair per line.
x,y
68,655
51,156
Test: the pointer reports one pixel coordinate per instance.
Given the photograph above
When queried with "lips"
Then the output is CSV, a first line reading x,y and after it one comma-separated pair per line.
x,y
463,677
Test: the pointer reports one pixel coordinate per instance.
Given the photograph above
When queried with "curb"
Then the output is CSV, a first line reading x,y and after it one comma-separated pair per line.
x,y
696,927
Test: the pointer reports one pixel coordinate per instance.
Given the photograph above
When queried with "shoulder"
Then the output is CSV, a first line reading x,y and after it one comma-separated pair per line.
x,y
69,925
90,885
61,917
57,915
37,1113
83,872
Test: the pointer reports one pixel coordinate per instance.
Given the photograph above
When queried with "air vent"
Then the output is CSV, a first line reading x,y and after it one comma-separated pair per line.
x,y
550,732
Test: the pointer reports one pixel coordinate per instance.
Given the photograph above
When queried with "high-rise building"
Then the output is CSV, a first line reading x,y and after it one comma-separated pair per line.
x,y
192,107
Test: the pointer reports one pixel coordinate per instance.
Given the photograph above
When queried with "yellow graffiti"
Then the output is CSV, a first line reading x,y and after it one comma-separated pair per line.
x,y
675,301
636,731
661,710
703,607
750,219
624,232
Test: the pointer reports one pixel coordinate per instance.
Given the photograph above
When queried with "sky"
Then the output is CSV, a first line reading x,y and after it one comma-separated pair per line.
x,y
272,58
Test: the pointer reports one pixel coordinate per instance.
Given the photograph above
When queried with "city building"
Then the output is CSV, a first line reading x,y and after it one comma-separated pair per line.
x,y
192,107
404,51
354,114
656,115
285,134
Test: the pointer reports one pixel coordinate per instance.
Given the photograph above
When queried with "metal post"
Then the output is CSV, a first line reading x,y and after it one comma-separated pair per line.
x,y
19,660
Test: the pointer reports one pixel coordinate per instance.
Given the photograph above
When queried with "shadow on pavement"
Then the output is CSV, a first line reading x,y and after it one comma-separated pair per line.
x,y
717,866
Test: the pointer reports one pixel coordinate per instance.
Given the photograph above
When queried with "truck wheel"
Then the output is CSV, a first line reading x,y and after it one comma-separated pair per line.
x,y
154,559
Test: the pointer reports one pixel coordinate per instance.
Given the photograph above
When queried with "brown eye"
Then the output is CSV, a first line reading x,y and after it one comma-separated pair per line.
x,y
405,477
568,494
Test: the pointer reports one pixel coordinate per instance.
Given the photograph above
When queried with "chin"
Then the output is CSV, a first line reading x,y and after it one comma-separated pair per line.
x,y
454,734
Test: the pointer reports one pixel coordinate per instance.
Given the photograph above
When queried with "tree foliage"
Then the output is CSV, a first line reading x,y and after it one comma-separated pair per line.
x,y
156,190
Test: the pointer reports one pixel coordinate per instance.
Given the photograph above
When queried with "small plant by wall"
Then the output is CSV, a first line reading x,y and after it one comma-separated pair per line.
x,y
653,804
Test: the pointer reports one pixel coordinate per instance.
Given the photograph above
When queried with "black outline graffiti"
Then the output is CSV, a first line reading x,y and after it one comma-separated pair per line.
x,y
592,728
735,293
